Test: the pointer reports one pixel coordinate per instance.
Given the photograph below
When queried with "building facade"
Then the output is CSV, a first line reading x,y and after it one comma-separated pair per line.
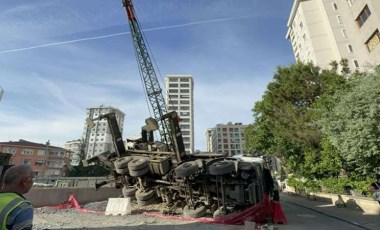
x,y
99,138
180,98
322,31
46,160
226,138
74,147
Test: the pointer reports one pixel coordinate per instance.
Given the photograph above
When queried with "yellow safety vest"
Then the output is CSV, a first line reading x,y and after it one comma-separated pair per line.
x,y
8,202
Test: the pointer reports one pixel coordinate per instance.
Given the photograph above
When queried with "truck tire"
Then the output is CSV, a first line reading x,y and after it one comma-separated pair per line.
x,y
221,168
122,170
129,191
144,196
146,202
138,173
194,213
138,164
186,169
219,213
122,162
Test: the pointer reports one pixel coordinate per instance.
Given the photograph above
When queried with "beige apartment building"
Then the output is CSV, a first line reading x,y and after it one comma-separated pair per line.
x,y
321,31
180,98
226,138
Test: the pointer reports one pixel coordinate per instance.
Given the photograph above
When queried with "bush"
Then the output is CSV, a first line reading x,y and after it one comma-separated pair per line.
x,y
331,185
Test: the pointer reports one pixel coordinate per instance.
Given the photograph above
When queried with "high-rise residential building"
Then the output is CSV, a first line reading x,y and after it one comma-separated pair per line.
x,y
45,159
322,31
99,138
74,147
226,138
180,98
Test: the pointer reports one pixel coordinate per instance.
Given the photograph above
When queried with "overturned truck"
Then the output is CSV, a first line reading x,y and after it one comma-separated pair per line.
x,y
197,184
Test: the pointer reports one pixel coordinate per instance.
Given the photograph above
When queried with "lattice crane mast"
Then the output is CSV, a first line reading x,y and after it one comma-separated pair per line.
x,y
148,75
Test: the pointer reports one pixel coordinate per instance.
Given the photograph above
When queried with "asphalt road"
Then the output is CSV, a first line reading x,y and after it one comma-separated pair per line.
x,y
311,215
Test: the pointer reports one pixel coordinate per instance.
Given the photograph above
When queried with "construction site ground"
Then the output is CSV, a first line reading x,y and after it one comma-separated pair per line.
x,y
301,213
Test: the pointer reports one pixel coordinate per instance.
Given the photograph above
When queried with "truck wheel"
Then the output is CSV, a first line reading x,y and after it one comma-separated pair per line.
x,y
129,191
219,212
138,173
138,164
194,213
144,196
122,162
222,168
186,169
122,170
146,202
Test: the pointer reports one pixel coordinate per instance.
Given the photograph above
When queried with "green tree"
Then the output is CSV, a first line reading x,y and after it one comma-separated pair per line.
x,y
353,125
95,169
286,118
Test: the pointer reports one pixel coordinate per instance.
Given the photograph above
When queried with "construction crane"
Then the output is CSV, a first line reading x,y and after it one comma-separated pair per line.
x,y
148,75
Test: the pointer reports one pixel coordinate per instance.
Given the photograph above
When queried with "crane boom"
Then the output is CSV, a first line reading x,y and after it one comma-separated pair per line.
x,y
148,74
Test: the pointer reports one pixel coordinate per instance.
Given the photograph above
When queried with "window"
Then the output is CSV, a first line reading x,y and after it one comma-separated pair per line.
x,y
184,80
173,85
184,108
185,102
173,79
39,162
184,91
351,2
173,90
27,152
41,152
184,85
356,63
174,102
9,150
339,19
26,161
335,6
344,33
373,41
350,50
363,16
185,96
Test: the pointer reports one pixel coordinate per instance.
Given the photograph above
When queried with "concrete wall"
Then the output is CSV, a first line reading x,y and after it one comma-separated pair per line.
x,y
54,196
366,205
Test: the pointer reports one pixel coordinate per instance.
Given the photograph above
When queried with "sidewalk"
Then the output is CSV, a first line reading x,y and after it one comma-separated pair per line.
x,y
348,215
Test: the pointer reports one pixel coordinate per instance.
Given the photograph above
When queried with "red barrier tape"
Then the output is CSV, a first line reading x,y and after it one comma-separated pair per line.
x,y
257,213
73,203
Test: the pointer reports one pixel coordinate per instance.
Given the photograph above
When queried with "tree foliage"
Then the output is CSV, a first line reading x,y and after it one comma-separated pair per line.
x,y
96,169
286,119
353,125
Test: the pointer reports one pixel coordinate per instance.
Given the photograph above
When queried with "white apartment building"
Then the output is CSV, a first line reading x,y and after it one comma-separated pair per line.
x,y
321,31
99,138
180,98
226,138
74,147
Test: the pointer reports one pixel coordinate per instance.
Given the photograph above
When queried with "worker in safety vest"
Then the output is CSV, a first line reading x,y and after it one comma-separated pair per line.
x,y
15,211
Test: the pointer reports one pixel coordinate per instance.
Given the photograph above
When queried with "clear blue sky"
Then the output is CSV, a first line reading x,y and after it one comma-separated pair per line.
x,y
59,57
